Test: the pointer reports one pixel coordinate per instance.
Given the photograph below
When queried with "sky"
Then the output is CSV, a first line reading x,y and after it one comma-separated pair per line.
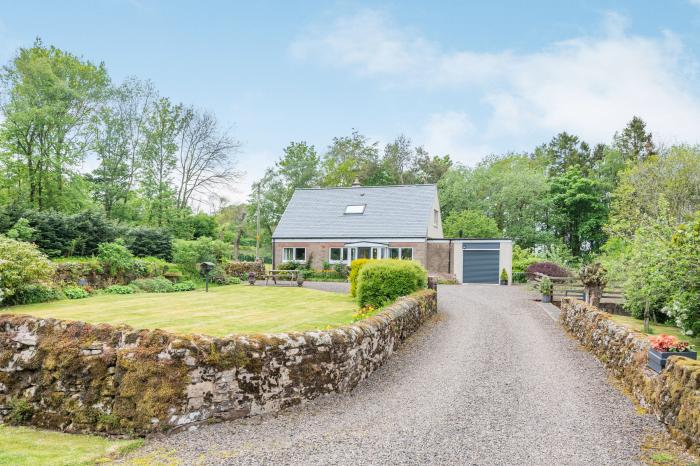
x,y
467,79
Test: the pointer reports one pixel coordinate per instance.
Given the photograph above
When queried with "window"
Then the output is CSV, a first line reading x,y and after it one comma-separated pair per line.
x,y
338,254
401,253
294,255
436,217
355,209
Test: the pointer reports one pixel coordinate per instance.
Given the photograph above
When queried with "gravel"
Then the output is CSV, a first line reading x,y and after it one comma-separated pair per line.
x,y
491,380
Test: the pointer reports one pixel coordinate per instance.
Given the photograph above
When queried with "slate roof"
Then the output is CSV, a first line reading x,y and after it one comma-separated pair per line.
x,y
391,212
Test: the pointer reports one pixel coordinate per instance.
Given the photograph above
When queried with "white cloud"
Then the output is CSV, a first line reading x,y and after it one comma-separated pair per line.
x,y
452,133
589,85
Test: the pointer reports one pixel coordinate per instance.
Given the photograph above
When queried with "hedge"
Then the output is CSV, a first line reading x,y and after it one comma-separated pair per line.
x,y
355,267
380,282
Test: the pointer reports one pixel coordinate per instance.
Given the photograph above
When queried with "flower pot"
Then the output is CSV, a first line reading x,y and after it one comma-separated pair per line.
x,y
300,280
546,298
504,282
251,278
657,359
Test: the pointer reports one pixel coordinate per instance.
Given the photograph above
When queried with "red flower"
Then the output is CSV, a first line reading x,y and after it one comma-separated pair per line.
x,y
668,343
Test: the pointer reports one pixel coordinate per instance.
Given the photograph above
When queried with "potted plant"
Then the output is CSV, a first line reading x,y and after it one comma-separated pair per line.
x,y
300,277
546,288
251,278
665,346
504,277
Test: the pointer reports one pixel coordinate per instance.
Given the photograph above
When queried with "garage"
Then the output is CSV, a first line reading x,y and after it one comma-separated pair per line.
x,y
480,262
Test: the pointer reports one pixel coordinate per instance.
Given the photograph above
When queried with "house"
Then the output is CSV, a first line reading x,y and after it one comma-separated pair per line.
x,y
339,225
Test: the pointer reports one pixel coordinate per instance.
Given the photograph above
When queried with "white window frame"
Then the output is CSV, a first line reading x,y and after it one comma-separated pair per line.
x,y
400,249
344,255
294,254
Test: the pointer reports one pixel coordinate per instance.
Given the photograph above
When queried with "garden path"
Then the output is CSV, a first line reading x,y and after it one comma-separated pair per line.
x,y
492,380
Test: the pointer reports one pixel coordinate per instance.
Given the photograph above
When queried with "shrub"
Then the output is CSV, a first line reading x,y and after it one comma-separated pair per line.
x,y
291,265
234,281
382,281
116,259
342,270
546,268
546,287
519,277
154,285
522,259
189,254
75,292
504,275
241,268
184,286
21,265
355,267
218,275
32,294
91,228
20,411
145,241
21,231
120,289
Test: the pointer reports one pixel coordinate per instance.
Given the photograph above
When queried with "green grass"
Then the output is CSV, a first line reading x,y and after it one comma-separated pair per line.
x,y
222,311
655,329
20,446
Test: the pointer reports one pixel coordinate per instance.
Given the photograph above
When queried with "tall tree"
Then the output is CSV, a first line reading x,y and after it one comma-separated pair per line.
x,y
205,156
634,142
161,131
578,211
52,98
565,151
351,157
119,142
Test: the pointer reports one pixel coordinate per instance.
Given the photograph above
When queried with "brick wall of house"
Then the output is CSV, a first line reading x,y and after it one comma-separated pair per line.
x,y
439,257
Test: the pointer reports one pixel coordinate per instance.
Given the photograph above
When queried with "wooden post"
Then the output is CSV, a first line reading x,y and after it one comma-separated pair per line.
x,y
646,316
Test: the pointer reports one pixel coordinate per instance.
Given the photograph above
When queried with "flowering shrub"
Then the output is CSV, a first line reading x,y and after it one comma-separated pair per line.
x,y
364,312
546,268
669,343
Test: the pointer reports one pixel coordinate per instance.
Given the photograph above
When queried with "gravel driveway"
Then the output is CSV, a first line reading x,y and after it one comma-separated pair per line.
x,y
492,380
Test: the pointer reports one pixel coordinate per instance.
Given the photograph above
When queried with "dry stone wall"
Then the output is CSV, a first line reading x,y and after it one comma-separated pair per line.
x,y
673,395
79,377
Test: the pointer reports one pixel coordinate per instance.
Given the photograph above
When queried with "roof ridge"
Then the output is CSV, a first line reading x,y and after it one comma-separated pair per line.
x,y
368,187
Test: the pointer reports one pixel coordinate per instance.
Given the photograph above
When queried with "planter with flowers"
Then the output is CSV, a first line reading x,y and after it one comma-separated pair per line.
x,y
665,346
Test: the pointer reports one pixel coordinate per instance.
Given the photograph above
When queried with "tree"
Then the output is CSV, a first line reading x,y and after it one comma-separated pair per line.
x,y
352,157
52,98
430,169
205,156
634,143
565,151
511,189
162,129
578,211
470,224
673,174
119,142
398,161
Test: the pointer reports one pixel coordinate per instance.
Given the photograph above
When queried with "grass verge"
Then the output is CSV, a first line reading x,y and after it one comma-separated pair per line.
x,y
23,446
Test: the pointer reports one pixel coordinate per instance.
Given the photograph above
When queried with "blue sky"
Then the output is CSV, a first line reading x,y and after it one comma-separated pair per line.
x,y
465,78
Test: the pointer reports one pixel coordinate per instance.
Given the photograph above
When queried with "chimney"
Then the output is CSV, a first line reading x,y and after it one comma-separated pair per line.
x,y
356,183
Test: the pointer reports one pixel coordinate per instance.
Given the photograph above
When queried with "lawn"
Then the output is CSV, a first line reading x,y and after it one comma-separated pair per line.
x,y
655,329
20,446
222,311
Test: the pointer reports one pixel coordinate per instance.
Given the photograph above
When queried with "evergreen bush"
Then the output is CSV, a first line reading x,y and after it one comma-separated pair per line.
x,y
380,282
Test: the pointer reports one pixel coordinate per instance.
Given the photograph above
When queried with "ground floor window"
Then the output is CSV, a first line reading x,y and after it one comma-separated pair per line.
x,y
339,254
401,253
294,255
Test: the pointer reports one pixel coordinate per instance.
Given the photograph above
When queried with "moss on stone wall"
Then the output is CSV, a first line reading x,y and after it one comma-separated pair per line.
x,y
673,395
78,377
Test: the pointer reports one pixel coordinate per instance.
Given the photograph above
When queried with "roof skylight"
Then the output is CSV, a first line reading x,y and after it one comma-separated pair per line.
x,y
355,209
